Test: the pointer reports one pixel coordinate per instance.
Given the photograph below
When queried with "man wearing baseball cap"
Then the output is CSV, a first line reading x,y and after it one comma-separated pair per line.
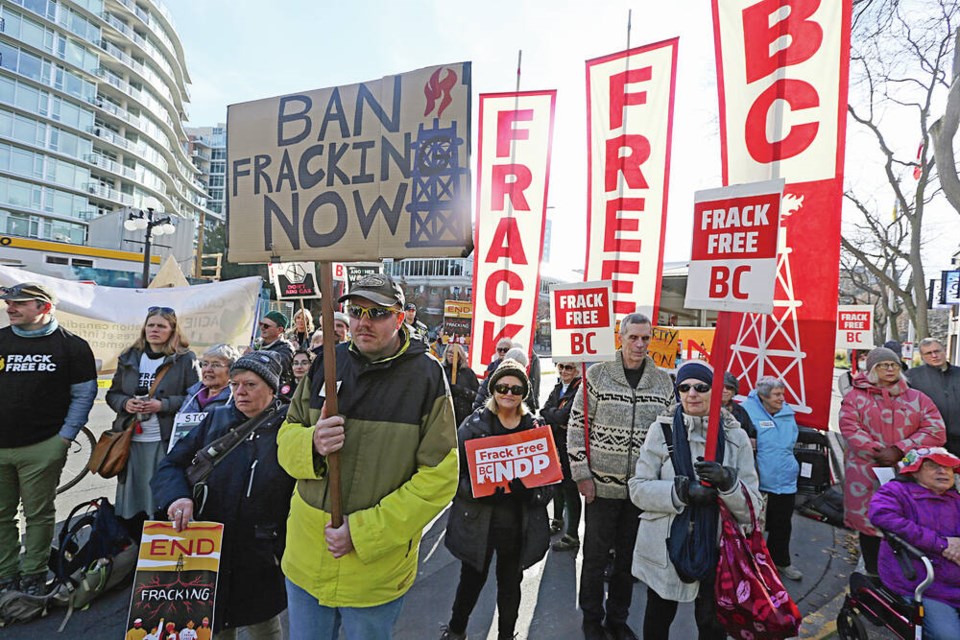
x,y
49,381
416,328
397,440
272,327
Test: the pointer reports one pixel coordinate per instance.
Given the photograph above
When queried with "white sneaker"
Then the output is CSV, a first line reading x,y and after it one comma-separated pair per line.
x,y
790,572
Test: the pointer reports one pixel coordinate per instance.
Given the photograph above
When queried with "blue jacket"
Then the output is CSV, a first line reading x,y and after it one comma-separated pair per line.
x,y
190,405
776,435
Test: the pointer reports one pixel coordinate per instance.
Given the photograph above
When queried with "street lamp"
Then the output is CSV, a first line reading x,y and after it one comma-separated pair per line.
x,y
154,223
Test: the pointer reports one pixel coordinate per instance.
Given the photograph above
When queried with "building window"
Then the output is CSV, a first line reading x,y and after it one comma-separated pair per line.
x,y
57,260
81,262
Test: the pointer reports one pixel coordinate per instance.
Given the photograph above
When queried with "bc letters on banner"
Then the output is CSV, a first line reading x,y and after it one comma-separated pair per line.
x,y
629,128
516,130
782,80
357,172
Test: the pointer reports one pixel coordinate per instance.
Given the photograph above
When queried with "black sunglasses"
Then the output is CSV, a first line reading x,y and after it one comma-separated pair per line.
x,y
160,310
504,389
699,388
565,367
503,349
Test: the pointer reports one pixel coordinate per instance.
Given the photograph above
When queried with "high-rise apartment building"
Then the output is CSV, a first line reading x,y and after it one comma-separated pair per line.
x,y
207,148
93,101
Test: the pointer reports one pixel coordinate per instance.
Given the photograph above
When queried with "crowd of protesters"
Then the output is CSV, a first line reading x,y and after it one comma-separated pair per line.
x,y
406,410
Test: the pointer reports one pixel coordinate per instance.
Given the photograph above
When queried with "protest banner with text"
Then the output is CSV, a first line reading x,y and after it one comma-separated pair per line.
x,y
581,322
629,127
530,455
362,172
855,326
516,130
457,321
782,80
294,280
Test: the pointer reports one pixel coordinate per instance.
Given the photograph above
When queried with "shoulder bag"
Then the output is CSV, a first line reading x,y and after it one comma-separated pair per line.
x,y
112,450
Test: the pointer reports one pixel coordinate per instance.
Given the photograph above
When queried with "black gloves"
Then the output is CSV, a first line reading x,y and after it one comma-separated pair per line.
x,y
723,478
694,494
518,488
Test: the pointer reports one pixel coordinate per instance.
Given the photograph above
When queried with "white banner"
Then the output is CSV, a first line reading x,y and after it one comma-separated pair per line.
x,y
581,322
855,326
516,130
111,318
629,125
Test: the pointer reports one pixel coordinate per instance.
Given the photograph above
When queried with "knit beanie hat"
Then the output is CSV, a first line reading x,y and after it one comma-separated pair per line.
x,y
730,381
510,368
696,371
265,364
278,318
878,355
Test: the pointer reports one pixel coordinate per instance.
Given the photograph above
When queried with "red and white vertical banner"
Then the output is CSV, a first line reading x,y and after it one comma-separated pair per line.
x,y
629,128
513,173
782,69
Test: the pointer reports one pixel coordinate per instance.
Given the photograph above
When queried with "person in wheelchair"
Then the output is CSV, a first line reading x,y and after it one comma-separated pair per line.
x,y
922,507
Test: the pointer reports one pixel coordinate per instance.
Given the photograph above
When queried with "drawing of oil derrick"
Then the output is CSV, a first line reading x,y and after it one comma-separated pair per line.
x,y
770,344
439,215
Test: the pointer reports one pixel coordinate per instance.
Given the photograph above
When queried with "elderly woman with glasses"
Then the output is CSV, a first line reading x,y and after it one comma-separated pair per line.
x,y
511,524
881,418
211,391
160,352
556,413
679,509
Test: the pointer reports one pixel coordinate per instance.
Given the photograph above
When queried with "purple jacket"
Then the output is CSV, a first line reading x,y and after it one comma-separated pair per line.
x,y
924,519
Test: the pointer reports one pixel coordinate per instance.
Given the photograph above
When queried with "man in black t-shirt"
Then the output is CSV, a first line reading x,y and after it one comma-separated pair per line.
x,y
49,381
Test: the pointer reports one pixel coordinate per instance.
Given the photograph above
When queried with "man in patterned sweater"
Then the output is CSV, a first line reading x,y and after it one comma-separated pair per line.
x,y
624,397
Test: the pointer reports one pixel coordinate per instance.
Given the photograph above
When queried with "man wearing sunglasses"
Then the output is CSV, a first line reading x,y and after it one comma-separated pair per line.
x,y
625,397
272,328
397,439
48,379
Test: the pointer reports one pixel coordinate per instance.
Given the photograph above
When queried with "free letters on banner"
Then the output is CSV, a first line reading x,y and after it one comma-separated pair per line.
x,y
530,455
629,128
782,81
356,172
176,579
516,132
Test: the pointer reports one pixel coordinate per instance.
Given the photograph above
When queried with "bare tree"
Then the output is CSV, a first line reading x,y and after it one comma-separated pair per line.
x,y
901,53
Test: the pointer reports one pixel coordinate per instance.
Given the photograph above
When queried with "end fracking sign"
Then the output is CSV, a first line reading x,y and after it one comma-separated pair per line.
x,y
582,322
855,326
733,265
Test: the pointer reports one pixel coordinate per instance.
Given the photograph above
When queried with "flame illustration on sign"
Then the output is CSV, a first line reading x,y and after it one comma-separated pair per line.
x,y
437,88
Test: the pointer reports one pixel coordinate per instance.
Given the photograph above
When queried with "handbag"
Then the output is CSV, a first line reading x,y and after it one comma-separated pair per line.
x,y
112,450
751,600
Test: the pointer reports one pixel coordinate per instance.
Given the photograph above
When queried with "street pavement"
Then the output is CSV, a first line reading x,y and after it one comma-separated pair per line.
x,y
549,603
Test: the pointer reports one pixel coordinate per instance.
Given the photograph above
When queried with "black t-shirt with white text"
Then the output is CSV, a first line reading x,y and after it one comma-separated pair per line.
x,y
35,378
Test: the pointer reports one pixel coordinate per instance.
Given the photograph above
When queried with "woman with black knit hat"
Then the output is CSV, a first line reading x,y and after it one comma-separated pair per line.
x,y
667,486
511,523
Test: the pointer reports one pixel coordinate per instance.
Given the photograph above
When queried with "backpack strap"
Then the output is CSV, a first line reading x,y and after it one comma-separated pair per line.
x,y
668,440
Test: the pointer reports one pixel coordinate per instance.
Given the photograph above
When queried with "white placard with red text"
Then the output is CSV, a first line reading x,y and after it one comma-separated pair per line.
x,y
582,323
855,326
782,77
733,265
516,130
629,126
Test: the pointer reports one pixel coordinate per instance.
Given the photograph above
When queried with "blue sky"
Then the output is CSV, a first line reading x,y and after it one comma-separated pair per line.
x,y
241,50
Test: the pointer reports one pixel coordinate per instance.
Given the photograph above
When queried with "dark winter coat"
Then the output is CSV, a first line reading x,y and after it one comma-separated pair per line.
x,y
556,413
468,526
463,392
250,494
943,387
171,392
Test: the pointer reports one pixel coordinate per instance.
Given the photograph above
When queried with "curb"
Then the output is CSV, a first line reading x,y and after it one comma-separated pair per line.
x,y
822,623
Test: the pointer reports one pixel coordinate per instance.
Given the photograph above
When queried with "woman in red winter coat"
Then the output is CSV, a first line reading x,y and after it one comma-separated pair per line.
x,y
880,419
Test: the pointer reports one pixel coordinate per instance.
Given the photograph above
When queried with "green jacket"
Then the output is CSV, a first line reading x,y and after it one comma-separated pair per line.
x,y
398,470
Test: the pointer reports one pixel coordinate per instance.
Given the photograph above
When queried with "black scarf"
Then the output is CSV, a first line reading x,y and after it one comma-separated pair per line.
x,y
693,534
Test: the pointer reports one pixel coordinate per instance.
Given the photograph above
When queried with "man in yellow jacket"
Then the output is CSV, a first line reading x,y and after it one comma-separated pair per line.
x,y
397,439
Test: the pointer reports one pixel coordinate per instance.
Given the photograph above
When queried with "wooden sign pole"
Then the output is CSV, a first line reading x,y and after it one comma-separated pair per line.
x,y
330,385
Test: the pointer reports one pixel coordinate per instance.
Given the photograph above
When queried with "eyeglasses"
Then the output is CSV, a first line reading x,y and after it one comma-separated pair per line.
x,y
266,325
888,365
699,388
566,367
503,349
160,310
504,389
374,313
208,364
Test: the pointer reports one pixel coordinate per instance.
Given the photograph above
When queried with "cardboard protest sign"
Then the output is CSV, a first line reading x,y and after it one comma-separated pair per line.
x,y
513,176
670,346
582,323
458,320
176,579
855,326
782,78
530,455
629,127
361,172
733,265
294,280
950,287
